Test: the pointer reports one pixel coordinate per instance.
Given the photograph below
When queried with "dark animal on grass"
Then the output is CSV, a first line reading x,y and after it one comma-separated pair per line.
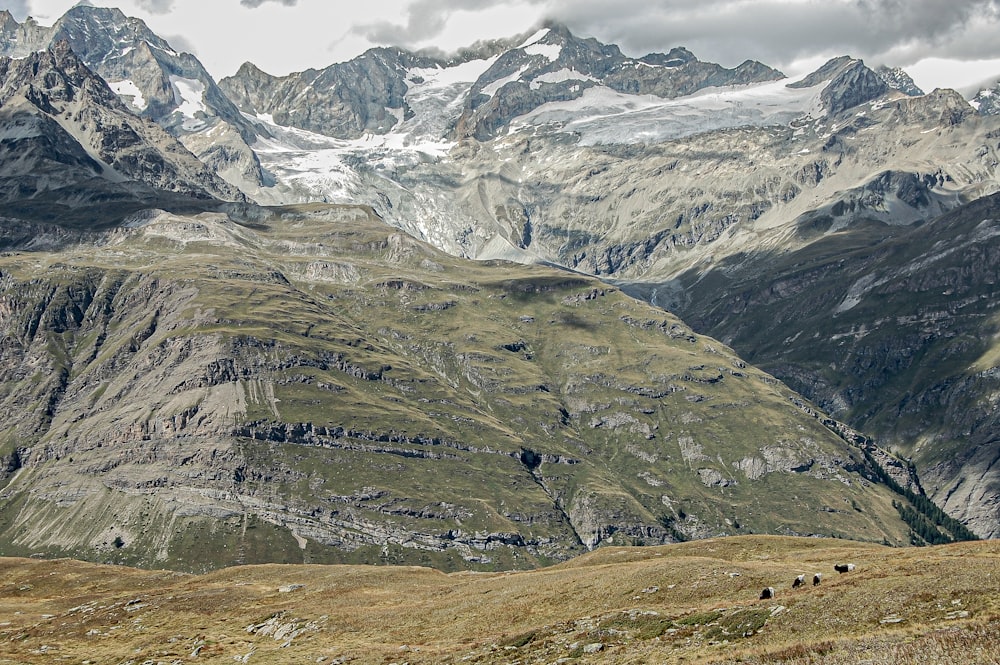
x,y
843,567
768,592
817,578
799,581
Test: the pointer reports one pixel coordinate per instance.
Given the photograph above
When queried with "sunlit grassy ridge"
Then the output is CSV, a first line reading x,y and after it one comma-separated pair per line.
x,y
693,603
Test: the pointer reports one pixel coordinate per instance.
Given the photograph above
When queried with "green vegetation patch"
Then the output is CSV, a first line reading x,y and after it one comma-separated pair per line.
x,y
739,624
641,625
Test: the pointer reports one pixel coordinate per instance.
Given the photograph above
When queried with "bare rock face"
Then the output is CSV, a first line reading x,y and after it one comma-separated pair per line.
x,y
851,83
346,100
897,79
47,156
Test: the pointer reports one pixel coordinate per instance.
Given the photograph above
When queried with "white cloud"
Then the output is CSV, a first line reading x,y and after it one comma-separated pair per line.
x,y
429,19
156,6
258,3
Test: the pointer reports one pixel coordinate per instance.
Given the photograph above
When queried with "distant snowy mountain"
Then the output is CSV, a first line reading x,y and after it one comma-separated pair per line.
x,y
156,82
553,65
897,79
987,100
392,91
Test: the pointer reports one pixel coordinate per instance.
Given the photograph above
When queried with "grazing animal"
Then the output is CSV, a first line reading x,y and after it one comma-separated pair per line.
x,y
799,581
817,578
768,592
843,567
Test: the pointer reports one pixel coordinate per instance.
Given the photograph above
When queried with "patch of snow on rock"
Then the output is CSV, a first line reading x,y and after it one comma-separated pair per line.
x,y
188,94
550,51
538,36
435,78
436,96
130,92
494,87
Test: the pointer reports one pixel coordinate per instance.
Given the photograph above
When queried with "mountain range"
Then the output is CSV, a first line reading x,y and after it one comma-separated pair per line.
x,y
420,309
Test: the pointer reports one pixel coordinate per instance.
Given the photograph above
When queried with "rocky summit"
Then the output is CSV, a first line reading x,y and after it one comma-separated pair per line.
x,y
488,310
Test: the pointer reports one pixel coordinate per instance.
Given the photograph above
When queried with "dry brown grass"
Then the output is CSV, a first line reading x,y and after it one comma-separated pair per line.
x,y
692,603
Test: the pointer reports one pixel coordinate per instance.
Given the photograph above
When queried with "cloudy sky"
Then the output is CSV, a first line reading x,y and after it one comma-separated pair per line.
x,y
946,43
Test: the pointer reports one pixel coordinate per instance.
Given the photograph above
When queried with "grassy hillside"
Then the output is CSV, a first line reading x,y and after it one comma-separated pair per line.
x,y
691,603
307,385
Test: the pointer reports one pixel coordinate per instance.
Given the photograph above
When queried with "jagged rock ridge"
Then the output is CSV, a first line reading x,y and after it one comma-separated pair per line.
x,y
987,100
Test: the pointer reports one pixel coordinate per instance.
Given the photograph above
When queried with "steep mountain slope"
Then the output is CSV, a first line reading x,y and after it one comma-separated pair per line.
x,y
315,386
892,329
345,100
72,154
644,189
155,81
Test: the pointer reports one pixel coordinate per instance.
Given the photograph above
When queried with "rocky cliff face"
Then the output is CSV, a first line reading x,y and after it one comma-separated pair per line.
x,y
848,83
897,79
313,386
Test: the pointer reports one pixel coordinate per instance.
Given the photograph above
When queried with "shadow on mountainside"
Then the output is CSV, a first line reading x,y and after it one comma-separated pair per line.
x,y
891,329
